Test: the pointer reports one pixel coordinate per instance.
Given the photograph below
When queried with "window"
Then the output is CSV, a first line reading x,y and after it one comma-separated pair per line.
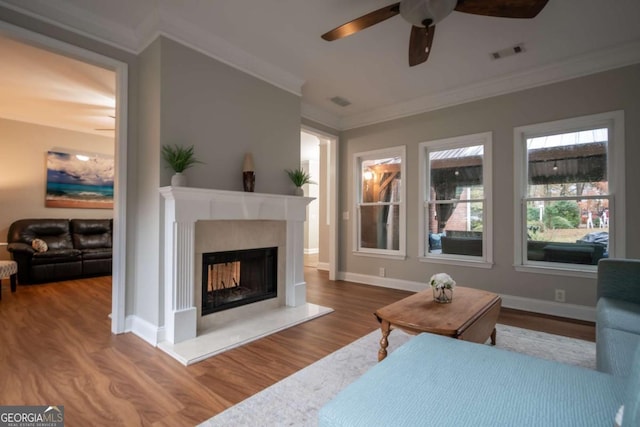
x,y
455,216
565,187
380,202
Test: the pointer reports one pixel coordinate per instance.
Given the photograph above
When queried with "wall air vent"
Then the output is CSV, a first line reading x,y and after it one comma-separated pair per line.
x,y
338,100
519,48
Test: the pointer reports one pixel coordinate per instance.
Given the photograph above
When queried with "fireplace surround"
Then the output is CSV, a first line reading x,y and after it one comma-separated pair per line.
x,y
187,209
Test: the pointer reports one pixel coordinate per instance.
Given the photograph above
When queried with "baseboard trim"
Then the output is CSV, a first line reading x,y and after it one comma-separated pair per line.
x,y
384,282
145,330
552,308
323,266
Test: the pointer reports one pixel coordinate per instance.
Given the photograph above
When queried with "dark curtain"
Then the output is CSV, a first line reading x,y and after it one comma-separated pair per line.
x,y
385,196
444,191
447,184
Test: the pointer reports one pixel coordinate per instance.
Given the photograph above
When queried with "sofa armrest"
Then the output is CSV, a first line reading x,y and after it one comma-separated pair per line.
x,y
20,247
619,279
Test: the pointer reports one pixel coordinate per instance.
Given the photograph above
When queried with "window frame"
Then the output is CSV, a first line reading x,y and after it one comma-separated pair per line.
x,y
358,158
614,122
486,140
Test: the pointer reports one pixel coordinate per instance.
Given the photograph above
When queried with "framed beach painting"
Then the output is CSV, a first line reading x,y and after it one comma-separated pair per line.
x,y
79,181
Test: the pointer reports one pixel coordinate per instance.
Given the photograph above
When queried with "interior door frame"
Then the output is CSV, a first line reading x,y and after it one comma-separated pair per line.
x,y
118,288
332,196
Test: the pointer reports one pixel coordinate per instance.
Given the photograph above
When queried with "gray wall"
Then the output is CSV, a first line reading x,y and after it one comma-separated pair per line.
x,y
225,113
187,98
613,90
148,295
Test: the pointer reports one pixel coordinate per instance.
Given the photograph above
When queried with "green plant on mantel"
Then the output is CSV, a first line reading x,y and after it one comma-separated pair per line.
x,y
179,158
299,177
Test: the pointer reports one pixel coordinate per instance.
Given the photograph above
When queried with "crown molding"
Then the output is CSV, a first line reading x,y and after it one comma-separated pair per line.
x,y
88,25
159,23
216,47
320,116
578,66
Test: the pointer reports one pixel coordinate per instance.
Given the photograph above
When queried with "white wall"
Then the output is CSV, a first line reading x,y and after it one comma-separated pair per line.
x,y
312,224
23,171
324,228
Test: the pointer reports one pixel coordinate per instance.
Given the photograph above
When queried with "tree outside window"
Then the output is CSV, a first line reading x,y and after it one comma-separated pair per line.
x,y
569,183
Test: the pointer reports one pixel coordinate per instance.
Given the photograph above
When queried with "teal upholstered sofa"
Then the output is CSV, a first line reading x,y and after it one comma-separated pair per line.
x,y
617,315
438,381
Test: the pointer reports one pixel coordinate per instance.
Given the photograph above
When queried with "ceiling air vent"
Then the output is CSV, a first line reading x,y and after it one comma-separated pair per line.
x,y
338,100
519,48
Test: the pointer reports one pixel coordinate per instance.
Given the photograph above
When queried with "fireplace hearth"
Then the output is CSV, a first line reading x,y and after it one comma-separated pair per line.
x,y
235,278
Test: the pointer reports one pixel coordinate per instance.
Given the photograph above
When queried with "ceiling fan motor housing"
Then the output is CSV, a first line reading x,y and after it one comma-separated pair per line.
x,y
417,11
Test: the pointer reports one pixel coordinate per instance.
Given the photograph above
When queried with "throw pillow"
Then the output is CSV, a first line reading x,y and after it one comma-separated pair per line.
x,y
619,415
435,241
39,245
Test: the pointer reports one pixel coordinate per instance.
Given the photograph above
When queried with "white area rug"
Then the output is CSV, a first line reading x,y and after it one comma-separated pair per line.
x,y
295,401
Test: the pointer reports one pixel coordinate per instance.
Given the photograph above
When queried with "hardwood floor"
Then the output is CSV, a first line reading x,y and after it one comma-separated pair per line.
x,y
56,349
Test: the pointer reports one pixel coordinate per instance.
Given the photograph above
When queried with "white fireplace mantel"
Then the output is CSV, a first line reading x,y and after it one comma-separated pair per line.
x,y
183,206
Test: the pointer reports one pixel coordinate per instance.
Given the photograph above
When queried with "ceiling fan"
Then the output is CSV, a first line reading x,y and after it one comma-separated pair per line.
x,y
423,15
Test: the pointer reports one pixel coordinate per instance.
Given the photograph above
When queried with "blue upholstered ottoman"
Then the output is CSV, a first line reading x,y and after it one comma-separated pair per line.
x,y
438,381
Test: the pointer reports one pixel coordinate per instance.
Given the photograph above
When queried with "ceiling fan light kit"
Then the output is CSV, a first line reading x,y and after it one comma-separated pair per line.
x,y
424,14
421,13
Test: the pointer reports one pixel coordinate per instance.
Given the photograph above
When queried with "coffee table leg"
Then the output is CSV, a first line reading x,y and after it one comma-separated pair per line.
x,y
385,326
493,337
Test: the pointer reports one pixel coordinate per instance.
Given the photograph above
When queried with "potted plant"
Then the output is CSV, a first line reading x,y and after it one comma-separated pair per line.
x,y
179,159
299,177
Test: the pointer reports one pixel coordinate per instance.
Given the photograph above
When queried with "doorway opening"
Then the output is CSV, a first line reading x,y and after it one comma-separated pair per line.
x,y
115,99
318,156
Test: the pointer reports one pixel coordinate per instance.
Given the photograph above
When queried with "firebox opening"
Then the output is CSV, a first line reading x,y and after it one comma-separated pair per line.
x,y
234,278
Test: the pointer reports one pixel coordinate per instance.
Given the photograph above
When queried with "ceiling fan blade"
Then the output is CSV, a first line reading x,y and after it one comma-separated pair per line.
x,y
363,22
420,44
502,8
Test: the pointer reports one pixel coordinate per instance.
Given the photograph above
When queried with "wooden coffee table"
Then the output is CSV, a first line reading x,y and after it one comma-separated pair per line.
x,y
471,316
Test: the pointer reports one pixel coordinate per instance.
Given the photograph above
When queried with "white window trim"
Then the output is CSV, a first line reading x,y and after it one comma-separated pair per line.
x,y
613,120
399,254
485,139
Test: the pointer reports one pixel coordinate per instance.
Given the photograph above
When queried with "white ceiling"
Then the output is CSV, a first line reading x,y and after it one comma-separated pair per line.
x,y
279,41
41,87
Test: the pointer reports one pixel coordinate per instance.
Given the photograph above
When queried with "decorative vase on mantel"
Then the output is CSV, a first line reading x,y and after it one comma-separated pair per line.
x,y
179,159
179,180
299,191
248,173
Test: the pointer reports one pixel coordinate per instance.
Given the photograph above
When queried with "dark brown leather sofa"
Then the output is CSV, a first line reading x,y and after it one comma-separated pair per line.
x,y
75,248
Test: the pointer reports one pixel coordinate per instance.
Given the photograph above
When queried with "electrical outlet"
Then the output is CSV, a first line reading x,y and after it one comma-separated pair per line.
x,y
382,272
560,295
